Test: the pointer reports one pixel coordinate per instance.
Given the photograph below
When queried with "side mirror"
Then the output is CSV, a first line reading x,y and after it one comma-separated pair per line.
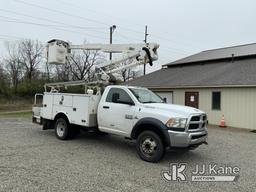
x,y
115,97
165,100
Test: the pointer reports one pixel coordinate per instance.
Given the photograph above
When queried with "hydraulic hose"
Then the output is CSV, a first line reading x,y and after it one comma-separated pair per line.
x,y
148,54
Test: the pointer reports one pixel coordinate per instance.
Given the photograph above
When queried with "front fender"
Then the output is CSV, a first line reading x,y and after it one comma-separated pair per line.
x,y
149,123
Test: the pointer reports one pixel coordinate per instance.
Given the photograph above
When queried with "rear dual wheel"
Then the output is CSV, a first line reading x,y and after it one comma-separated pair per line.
x,y
63,130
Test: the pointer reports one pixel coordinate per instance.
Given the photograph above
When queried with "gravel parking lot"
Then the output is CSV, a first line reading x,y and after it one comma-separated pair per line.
x,y
34,160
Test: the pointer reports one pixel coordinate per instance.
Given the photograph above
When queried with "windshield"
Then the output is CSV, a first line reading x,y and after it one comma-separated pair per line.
x,y
146,96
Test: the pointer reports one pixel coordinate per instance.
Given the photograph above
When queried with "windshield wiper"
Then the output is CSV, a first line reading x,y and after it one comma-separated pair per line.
x,y
150,102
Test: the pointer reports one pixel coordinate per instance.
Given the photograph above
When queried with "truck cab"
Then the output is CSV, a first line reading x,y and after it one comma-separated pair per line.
x,y
131,111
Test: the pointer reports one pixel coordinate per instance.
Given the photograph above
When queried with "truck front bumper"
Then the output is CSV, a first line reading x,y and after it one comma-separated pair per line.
x,y
187,139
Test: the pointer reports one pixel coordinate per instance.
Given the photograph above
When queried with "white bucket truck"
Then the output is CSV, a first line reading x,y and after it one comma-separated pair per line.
x,y
132,112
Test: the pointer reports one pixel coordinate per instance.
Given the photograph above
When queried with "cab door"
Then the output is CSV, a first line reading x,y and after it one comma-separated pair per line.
x,y
117,112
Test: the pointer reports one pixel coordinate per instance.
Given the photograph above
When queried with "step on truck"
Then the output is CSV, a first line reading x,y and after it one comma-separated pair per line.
x,y
132,112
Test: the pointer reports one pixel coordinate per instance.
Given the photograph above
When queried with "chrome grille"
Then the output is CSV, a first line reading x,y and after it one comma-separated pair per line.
x,y
197,122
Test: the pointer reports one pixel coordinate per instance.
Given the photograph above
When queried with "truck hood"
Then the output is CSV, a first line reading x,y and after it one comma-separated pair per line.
x,y
172,109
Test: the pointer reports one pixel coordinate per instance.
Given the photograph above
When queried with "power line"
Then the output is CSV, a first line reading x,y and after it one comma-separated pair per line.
x,y
171,51
64,24
60,28
127,38
128,29
71,15
76,16
173,41
174,49
5,39
57,27
61,12
42,25
32,23
105,14
11,37
49,20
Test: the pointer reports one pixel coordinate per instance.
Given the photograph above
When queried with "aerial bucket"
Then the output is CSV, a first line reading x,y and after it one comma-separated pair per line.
x,y
57,52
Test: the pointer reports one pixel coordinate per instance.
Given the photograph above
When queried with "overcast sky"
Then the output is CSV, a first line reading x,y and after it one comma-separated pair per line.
x,y
181,27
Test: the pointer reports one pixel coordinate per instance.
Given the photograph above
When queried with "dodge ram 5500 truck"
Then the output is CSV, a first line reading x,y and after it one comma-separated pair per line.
x,y
132,112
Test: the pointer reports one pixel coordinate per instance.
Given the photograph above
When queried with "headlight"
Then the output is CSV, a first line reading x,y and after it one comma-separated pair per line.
x,y
176,122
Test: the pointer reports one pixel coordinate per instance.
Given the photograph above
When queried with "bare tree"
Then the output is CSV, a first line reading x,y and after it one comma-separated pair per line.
x,y
62,73
48,69
82,64
13,64
3,79
31,53
127,74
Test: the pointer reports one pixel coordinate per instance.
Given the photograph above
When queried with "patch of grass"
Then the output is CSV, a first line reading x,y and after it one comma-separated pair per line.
x,y
15,104
19,115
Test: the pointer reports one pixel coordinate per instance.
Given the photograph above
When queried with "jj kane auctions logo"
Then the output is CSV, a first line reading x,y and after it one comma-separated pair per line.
x,y
203,172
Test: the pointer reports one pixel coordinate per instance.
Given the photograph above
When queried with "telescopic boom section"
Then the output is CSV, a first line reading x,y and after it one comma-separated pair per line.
x,y
59,51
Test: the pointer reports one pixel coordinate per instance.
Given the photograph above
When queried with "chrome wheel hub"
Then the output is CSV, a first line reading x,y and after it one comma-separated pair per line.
x,y
149,146
61,129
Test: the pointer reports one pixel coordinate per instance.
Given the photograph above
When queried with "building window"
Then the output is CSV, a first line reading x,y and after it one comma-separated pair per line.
x,y
216,100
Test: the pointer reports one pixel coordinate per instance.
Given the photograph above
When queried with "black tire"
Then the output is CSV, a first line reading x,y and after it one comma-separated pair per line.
x,y
61,128
187,149
101,133
74,132
192,147
150,146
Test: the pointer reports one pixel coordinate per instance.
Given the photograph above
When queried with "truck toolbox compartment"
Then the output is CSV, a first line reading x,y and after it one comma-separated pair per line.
x,y
80,109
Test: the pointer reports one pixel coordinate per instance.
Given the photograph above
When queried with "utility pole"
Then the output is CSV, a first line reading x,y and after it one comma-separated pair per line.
x,y
145,40
111,31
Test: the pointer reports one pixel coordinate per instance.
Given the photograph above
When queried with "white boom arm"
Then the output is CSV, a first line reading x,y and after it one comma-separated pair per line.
x,y
58,52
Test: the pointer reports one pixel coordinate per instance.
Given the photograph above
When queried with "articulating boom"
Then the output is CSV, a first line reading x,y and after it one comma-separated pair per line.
x,y
58,52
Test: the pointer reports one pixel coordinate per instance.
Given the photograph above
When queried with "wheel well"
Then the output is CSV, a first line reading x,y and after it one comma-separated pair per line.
x,y
61,115
149,127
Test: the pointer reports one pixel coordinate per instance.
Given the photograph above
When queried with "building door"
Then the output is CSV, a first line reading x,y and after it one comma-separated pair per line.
x,y
192,99
166,95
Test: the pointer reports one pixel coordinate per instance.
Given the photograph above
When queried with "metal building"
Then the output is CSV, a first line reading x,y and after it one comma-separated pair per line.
x,y
219,82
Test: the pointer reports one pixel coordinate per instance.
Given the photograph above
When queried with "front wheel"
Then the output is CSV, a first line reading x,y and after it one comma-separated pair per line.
x,y
150,146
62,129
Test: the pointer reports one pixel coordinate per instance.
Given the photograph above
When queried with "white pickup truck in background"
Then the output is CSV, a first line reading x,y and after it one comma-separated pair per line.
x,y
131,112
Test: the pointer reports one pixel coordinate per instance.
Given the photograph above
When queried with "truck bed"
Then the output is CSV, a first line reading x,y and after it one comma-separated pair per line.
x,y
81,109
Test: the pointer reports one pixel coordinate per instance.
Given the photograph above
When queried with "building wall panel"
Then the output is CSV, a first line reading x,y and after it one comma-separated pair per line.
x,y
238,105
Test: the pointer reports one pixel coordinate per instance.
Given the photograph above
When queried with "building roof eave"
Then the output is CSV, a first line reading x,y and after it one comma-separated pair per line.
x,y
198,86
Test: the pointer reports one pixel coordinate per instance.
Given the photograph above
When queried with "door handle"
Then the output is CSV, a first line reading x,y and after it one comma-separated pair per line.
x,y
105,107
